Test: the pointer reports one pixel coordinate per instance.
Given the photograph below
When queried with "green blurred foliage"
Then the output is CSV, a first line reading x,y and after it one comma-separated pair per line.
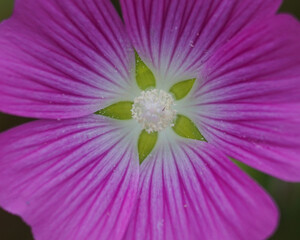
x,y
286,195
6,7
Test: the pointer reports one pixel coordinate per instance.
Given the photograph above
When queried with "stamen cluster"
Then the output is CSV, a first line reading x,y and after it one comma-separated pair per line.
x,y
153,110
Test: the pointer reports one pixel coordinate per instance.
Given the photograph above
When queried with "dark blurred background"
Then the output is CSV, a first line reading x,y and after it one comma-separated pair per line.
x,y
287,195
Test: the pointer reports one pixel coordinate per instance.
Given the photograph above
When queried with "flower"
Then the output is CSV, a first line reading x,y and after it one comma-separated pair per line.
x,y
209,80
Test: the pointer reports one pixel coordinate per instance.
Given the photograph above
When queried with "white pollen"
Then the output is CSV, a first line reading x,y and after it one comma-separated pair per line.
x,y
153,110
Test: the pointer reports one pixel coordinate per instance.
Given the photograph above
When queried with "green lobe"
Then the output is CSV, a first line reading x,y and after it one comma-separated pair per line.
x,y
144,76
120,110
181,89
146,143
184,127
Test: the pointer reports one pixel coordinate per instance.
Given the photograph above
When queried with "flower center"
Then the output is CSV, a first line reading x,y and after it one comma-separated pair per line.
x,y
153,110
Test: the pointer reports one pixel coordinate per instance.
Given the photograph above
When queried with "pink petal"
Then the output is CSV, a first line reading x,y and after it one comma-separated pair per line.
x,y
249,102
175,37
192,191
73,179
63,59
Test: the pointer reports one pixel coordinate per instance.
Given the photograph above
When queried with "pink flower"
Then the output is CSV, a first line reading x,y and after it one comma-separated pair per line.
x,y
80,178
